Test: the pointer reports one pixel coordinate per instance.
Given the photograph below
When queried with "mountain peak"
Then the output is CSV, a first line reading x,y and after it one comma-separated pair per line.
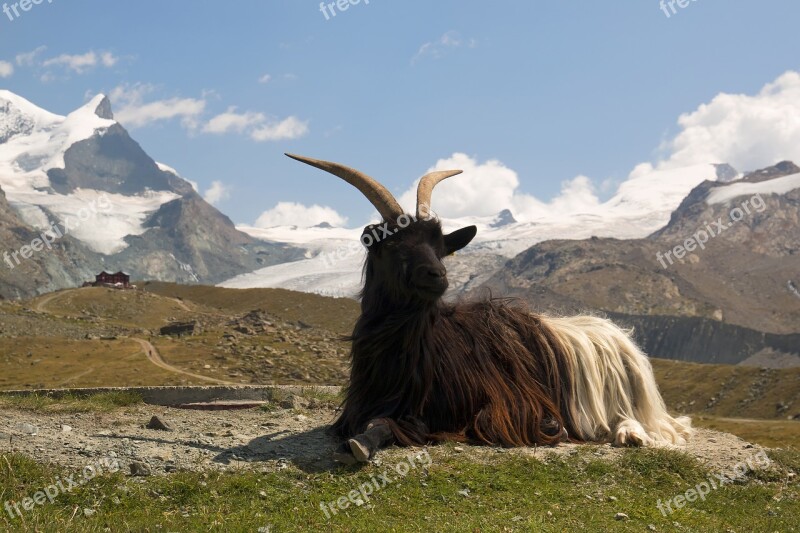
x,y
504,218
19,116
784,168
103,109
726,173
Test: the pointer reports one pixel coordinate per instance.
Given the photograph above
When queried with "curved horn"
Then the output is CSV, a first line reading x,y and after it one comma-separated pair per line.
x,y
425,189
376,193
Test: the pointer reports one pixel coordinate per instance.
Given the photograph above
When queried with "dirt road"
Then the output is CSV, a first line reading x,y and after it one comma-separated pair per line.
x,y
154,357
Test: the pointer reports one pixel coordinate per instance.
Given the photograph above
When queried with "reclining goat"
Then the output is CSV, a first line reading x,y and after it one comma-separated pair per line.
x,y
485,372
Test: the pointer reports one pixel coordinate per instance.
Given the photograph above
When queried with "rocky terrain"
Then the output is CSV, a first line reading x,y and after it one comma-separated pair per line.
x,y
263,439
725,302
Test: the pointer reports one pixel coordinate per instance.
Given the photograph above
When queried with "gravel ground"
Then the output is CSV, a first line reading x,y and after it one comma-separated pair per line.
x,y
252,439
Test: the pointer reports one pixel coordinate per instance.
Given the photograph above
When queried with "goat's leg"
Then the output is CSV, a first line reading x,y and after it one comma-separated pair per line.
x,y
361,448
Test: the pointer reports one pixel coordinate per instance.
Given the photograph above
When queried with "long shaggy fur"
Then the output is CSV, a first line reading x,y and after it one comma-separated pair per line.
x,y
613,394
491,372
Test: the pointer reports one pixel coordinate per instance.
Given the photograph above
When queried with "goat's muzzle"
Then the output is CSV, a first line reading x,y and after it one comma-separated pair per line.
x,y
431,280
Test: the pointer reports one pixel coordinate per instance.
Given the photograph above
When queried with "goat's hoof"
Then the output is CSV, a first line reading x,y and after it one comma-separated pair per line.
x,y
343,455
360,451
630,433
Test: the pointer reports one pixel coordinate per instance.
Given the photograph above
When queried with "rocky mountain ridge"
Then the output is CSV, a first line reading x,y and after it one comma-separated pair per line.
x,y
54,170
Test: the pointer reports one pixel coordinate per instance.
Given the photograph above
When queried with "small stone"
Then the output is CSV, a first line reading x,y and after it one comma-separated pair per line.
x,y
139,469
651,527
293,402
458,449
28,429
65,428
88,512
158,424
464,492
612,498
621,516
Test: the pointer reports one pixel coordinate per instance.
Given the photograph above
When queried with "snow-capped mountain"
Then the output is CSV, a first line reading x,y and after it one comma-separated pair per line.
x,y
334,256
717,284
82,177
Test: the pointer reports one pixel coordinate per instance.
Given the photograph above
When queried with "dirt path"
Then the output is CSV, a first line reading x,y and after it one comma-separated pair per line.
x,y
76,377
40,305
154,357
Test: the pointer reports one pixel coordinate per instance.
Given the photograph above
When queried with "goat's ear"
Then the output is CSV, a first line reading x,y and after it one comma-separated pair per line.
x,y
455,241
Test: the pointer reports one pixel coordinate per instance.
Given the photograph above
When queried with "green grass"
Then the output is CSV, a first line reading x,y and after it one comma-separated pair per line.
x,y
512,493
70,403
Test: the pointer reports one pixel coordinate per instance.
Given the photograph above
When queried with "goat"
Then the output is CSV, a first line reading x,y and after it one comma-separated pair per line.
x,y
486,372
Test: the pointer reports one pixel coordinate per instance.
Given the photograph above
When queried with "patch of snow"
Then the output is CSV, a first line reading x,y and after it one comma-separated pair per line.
x,y
26,158
167,168
335,257
720,195
101,220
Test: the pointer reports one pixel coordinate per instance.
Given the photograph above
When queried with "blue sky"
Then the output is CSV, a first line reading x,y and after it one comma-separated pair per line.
x,y
552,90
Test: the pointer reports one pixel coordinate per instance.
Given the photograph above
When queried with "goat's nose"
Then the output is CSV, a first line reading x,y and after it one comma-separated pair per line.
x,y
435,272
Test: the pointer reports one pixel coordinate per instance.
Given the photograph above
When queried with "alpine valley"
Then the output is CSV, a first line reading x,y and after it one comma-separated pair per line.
x,y
734,300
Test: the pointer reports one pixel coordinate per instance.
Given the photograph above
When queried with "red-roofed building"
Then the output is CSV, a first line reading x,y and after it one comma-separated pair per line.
x,y
118,279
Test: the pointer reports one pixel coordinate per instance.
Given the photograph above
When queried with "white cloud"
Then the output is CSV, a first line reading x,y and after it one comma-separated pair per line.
x,y
286,129
444,44
294,214
108,59
233,121
265,78
27,59
748,132
131,110
6,69
216,193
485,189
256,126
80,63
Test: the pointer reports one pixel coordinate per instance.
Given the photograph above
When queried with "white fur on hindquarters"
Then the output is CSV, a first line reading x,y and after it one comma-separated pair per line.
x,y
613,386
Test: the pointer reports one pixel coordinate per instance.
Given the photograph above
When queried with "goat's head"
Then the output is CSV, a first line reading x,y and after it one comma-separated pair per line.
x,y
404,252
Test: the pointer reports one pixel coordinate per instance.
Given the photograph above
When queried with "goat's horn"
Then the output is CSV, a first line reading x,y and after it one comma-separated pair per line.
x,y
376,193
425,189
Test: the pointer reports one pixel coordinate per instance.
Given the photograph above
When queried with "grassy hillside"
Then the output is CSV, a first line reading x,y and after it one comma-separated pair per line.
x,y
87,337
442,493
